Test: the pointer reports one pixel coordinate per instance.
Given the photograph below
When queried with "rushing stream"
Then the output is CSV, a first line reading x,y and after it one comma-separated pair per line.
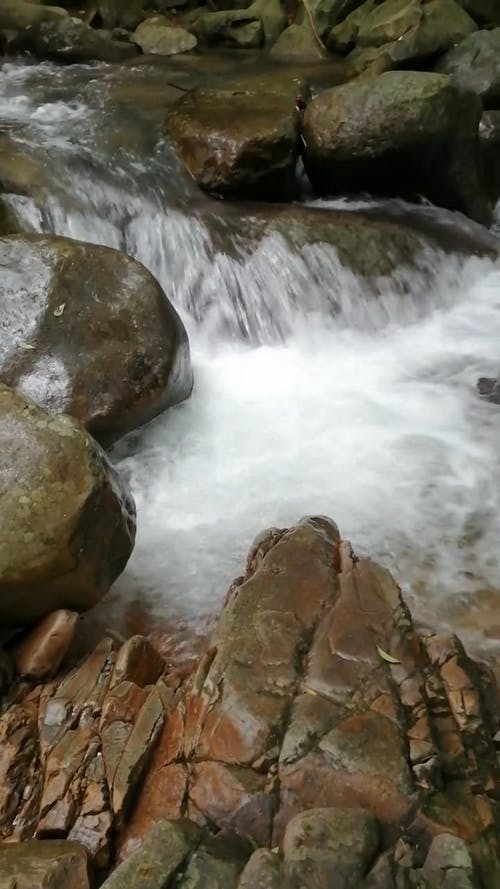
x,y
369,415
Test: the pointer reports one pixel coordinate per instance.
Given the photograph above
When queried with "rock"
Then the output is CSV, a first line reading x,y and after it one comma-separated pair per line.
x,y
485,12
68,520
117,14
237,143
296,707
239,27
489,389
272,16
489,139
327,13
387,38
71,40
158,37
343,37
407,133
159,858
297,42
40,654
106,347
53,864
263,870
16,15
475,65
322,842
8,222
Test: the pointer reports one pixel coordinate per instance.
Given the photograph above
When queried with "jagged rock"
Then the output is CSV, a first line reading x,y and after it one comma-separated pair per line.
x,y
238,27
106,347
41,652
475,65
155,35
74,752
406,133
53,864
297,42
237,143
316,692
72,40
68,521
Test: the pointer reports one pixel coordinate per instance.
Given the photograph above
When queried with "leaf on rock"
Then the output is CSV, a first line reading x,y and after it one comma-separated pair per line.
x,y
386,656
60,309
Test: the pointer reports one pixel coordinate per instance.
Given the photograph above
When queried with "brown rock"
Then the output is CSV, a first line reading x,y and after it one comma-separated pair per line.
x,y
53,864
41,652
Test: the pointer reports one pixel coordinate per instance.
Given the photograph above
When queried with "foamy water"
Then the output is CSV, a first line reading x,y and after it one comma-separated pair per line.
x,y
369,414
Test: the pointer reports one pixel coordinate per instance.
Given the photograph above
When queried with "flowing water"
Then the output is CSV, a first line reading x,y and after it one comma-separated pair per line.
x,y
368,414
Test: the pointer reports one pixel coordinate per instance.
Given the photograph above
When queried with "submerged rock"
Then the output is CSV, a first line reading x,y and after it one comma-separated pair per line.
x,y
407,133
156,36
106,346
53,864
475,65
68,521
239,142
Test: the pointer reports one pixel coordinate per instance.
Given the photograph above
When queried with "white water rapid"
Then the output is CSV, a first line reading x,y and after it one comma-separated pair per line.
x,y
369,415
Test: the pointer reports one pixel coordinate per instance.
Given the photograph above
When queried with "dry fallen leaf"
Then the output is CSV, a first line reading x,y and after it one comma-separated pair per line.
x,y
60,309
27,346
387,657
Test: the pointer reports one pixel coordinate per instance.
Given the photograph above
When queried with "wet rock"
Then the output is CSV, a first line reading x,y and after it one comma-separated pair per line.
x,y
71,40
107,347
489,389
297,42
327,13
272,16
156,36
237,143
16,15
343,36
485,12
117,14
40,654
68,520
489,140
406,133
475,65
263,870
239,27
166,850
322,842
8,222
53,864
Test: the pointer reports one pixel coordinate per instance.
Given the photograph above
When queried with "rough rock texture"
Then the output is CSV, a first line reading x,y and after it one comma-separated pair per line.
x,y
315,696
237,143
475,65
68,520
40,653
54,864
73,752
155,35
106,346
407,133
233,27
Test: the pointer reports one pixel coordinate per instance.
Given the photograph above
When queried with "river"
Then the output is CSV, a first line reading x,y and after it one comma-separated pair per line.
x,y
369,414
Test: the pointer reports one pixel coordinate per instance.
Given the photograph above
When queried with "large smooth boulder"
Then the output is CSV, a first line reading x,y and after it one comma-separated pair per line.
x,y
298,43
239,142
403,133
156,36
15,15
53,864
475,65
71,40
68,520
89,332
239,28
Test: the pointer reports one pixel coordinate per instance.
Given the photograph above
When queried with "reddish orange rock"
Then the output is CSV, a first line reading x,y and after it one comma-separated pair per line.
x,y
41,652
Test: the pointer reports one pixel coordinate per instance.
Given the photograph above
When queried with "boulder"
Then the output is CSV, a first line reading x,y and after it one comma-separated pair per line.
x,y
297,42
40,653
106,347
111,14
53,864
397,32
342,37
407,133
237,143
68,521
156,36
326,13
71,40
16,15
272,16
475,65
239,28
485,12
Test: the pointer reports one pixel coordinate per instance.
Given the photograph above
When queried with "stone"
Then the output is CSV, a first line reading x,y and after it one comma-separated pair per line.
x,y
263,870
321,842
16,15
489,140
107,347
485,12
392,136
71,40
388,21
215,864
239,27
489,389
326,13
475,65
298,43
156,862
117,14
342,37
52,864
41,652
272,16
237,143
68,519
157,37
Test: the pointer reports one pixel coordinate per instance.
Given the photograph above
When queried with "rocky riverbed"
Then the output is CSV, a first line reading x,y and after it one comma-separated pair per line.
x,y
249,272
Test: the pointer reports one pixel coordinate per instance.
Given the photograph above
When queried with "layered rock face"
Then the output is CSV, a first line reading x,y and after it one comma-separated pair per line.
x,y
106,346
319,726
